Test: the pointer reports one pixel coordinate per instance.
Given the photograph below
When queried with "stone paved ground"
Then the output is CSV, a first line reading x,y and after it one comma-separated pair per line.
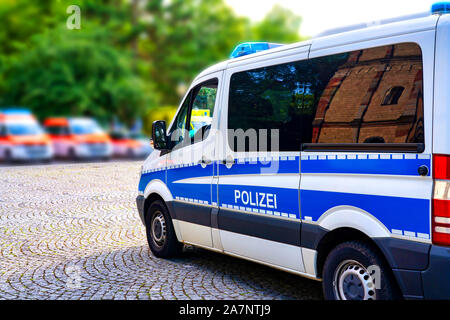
x,y
71,231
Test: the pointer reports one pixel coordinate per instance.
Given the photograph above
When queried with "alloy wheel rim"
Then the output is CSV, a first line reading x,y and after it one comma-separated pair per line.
x,y
158,229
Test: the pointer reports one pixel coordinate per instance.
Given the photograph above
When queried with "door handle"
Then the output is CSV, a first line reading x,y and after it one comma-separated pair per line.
x,y
229,162
205,162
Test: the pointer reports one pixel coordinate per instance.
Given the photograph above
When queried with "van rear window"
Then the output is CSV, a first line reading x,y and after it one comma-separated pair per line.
x,y
372,96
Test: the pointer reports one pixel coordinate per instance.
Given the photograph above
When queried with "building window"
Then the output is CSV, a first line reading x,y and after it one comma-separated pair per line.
x,y
392,96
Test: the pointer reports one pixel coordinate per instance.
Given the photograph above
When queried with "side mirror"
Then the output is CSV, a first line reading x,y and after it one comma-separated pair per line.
x,y
159,135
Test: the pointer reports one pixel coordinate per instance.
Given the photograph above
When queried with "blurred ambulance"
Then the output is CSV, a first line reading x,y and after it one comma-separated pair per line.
x,y
130,146
78,138
22,138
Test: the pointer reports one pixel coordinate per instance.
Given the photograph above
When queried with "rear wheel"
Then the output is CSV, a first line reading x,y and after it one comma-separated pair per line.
x,y
355,271
72,156
161,235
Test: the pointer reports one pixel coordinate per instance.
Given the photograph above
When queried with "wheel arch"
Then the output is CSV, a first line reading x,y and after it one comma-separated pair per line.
x,y
333,238
348,223
158,190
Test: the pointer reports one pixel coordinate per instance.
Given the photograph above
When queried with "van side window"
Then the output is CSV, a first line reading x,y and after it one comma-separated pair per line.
x,y
57,130
179,126
270,98
202,110
372,96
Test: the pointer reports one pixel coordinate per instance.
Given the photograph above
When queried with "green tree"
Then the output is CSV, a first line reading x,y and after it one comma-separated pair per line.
x,y
279,25
184,36
129,57
78,76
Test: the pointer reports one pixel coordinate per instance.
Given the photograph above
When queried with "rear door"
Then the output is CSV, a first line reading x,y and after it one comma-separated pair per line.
x,y
370,135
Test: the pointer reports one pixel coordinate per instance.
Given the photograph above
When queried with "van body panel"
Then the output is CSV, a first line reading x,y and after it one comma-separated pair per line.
x,y
441,133
385,185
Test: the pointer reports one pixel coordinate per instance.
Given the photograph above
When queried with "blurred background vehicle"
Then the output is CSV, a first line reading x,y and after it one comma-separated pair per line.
x,y
22,138
130,145
78,138
133,60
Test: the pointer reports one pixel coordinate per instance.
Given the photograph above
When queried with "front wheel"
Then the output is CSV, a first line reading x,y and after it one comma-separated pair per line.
x,y
355,271
161,235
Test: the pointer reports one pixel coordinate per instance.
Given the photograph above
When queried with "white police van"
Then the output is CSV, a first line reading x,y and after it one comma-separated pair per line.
x,y
328,158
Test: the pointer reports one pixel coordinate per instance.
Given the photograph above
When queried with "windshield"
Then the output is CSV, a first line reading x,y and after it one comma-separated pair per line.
x,y
85,127
23,129
138,136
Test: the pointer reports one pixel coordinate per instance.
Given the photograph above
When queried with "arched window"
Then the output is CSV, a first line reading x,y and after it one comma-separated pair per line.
x,y
392,96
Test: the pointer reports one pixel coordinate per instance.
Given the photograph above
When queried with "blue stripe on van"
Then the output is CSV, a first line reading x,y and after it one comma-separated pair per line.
x,y
195,193
362,164
283,165
149,176
394,212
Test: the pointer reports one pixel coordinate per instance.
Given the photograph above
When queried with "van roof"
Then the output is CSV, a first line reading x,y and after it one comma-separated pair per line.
x,y
339,36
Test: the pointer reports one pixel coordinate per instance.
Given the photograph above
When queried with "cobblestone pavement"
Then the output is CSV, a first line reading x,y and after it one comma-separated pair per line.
x,y
72,231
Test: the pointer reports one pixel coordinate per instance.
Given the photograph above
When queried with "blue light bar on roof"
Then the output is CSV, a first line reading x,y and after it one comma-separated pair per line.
x,y
247,48
440,8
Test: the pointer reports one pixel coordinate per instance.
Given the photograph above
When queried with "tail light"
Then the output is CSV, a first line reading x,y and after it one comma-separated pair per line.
x,y
441,200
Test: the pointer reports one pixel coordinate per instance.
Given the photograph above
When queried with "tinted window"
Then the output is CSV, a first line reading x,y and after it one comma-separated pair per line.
x,y
372,96
57,130
366,96
200,113
270,98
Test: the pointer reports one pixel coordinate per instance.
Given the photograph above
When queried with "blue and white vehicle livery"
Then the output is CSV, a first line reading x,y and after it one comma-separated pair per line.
x,y
328,158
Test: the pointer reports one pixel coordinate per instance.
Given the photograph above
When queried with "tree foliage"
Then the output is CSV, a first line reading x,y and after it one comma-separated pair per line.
x,y
129,57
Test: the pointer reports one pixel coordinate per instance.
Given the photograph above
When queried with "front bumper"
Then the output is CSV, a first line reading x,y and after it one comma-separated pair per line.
x,y
31,152
94,150
436,278
140,200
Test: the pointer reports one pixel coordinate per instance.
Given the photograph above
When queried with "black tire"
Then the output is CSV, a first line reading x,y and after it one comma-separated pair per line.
x,y
8,156
348,275
161,235
130,154
72,155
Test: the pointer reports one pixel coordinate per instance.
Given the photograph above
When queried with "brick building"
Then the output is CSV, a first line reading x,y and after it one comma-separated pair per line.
x,y
376,96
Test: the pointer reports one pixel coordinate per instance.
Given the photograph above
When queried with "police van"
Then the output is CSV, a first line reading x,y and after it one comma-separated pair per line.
x,y
328,158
